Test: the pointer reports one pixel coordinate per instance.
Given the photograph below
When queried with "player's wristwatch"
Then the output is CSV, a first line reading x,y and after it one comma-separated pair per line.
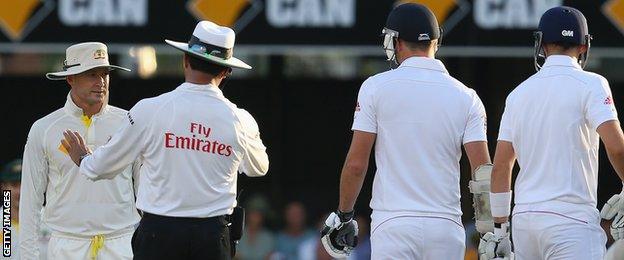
x,y
82,157
345,216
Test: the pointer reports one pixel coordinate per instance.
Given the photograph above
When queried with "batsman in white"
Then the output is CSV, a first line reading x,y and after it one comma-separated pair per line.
x,y
552,122
87,219
419,117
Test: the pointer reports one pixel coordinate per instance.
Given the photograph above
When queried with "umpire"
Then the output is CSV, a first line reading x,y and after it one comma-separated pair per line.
x,y
192,141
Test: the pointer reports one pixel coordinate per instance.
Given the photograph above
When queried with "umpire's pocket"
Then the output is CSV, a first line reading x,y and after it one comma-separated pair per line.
x,y
226,244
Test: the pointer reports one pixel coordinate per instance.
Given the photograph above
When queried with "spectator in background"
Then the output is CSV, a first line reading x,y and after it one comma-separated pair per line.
x,y
311,248
294,233
257,243
10,179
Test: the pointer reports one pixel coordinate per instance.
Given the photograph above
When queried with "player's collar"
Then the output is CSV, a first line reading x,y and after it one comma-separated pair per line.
x,y
424,63
561,60
72,109
202,88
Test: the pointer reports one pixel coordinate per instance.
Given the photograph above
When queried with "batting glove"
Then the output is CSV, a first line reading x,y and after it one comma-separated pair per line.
x,y
614,209
339,235
496,245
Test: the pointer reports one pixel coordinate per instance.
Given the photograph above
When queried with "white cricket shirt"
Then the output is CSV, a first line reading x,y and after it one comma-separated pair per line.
x,y
421,116
74,204
551,121
192,141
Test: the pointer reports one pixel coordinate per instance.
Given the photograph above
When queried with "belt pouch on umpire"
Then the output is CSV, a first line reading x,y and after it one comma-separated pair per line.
x,y
237,226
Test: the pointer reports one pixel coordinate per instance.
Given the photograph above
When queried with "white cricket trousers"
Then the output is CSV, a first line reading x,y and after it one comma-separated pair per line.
x,y
418,238
108,247
553,236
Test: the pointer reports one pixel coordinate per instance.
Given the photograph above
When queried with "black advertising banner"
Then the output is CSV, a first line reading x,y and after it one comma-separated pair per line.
x,y
289,22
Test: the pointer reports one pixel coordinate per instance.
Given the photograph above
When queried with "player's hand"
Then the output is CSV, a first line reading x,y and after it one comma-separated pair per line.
x,y
614,209
339,235
75,146
496,245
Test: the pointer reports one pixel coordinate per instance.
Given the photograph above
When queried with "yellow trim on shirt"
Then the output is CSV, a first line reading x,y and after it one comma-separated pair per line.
x,y
97,242
86,120
62,149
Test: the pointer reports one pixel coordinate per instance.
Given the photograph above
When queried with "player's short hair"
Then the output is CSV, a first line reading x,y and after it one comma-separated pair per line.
x,y
566,45
205,66
419,46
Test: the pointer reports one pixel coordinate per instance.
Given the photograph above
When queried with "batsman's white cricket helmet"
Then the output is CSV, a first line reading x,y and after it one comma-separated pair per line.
x,y
82,57
212,43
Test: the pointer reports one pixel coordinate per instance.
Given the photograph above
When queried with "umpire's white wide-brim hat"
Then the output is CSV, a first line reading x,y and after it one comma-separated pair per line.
x,y
82,57
212,43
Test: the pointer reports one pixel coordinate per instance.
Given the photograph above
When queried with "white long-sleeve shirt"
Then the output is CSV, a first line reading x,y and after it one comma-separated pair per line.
x,y
192,141
74,204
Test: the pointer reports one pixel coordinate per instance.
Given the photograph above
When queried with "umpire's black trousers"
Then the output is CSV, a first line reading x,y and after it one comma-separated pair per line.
x,y
161,237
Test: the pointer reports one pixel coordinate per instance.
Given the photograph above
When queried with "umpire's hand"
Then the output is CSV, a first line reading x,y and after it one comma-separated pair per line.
x,y
75,146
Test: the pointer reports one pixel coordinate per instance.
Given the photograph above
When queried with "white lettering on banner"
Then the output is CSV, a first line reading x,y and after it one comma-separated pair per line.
x,y
511,14
311,13
103,12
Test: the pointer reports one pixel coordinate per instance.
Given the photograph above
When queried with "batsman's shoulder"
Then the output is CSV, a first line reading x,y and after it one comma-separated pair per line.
x,y
372,83
522,87
380,78
596,80
590,81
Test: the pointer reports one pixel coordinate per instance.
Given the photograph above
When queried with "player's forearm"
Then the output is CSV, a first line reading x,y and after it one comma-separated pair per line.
x,y
501,178
29,216
617,161
501,183
477,153
96,169
500,188
256,163
351,180
613,138
109,160
33,187
29,236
